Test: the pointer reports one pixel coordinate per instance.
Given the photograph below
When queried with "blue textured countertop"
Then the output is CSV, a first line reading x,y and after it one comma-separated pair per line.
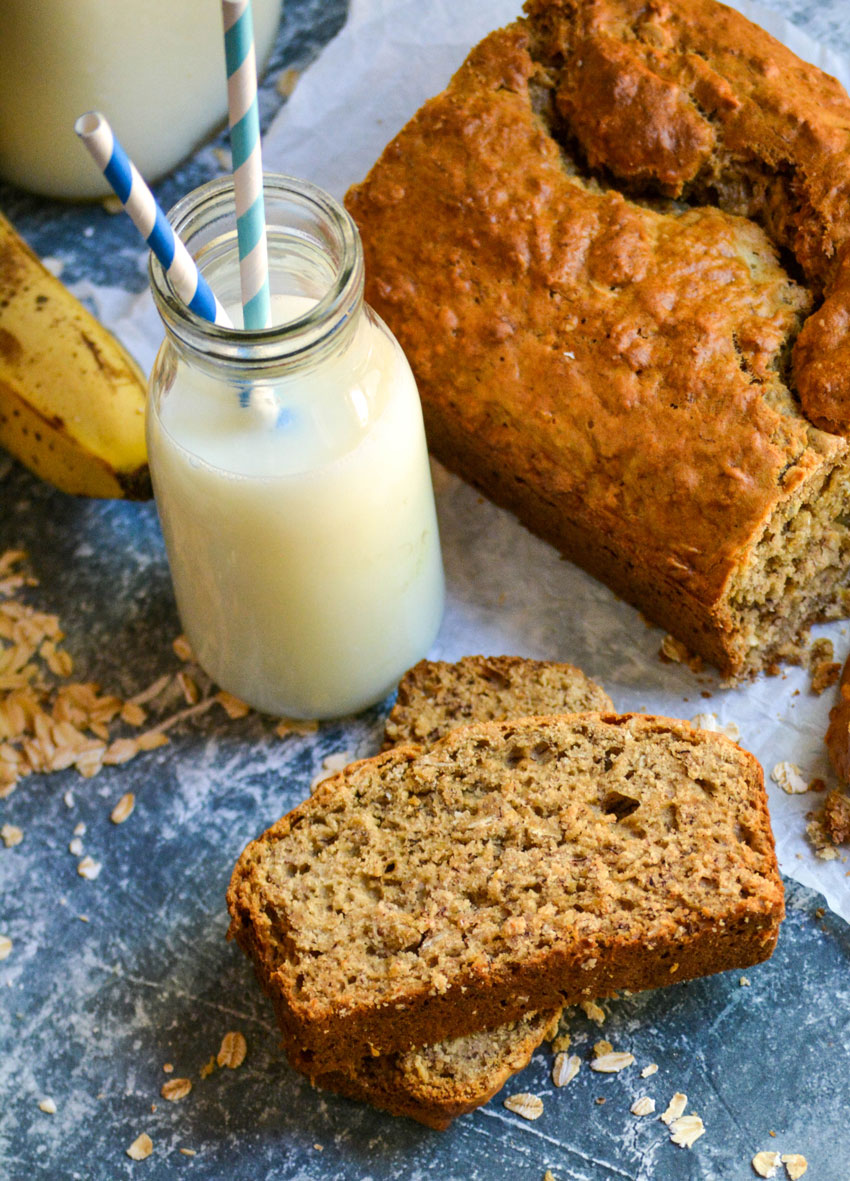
x,y
110,980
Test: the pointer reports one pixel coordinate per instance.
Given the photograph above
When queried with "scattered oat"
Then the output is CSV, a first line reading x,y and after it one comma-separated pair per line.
x,y
331,764
593,1011
295,726
168,1067
686,1130
319,1147
84,918
602,1047
795,1164
75,846
547,1176
712,722
175,1089
89,868
69,799
643,1106
675,1108
766,1163
123,808
224,158
120,751
132,714
189,688
233,1050
612,1063
141,1148
673,650
525,1104
565,1069
183,649
47,1106
648,1070
744,982
12,835
5,947
286,82
789,778
79,829
232,706
188,1151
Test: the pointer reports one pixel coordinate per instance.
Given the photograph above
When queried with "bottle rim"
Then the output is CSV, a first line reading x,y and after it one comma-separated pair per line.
x,y
209,212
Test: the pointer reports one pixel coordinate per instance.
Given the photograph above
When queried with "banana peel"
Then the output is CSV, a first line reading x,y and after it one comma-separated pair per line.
x,y
72,400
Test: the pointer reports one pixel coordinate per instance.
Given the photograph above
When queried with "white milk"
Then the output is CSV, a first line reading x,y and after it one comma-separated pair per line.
x,y
156,70
300,530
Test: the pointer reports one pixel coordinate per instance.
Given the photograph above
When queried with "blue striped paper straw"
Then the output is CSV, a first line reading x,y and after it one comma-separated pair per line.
x,y
244,119
148,218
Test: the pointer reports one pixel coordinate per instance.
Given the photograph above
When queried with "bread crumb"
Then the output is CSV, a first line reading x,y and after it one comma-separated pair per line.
x,y
123,808
141,1148
232,1051
744,982
208,1067
168,1067
47,1106
643,1106
648,1070
766,1163
5,947
561,1043
176,1089
686,1130
565,1069
795,1164
612,1063
188,1152
675,1108
593,1011
11,835
525,1104
602,1047
75,846
789,778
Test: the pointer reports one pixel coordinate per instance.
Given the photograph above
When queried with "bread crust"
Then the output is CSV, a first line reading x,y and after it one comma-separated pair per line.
x,y
672,939
574,358
690,98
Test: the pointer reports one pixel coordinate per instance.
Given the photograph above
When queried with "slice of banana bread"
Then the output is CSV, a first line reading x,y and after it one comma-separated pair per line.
x,y
436,696
616,370
434,1084
513,867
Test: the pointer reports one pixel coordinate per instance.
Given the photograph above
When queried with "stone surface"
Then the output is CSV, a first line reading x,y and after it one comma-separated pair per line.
x,y
91,1012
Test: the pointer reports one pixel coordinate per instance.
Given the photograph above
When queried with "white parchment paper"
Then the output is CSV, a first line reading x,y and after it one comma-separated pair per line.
x,y
508,592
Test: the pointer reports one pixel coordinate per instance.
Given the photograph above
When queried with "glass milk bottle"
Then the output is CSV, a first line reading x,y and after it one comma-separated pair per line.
x,y
290,468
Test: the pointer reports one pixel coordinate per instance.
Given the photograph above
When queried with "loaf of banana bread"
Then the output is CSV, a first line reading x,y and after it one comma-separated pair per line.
x,y
610,362
511,868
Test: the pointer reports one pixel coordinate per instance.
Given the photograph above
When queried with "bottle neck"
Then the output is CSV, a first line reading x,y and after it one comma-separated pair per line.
x,y
315,279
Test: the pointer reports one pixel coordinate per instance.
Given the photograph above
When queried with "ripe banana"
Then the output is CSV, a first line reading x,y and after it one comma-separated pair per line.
x,y
72,400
